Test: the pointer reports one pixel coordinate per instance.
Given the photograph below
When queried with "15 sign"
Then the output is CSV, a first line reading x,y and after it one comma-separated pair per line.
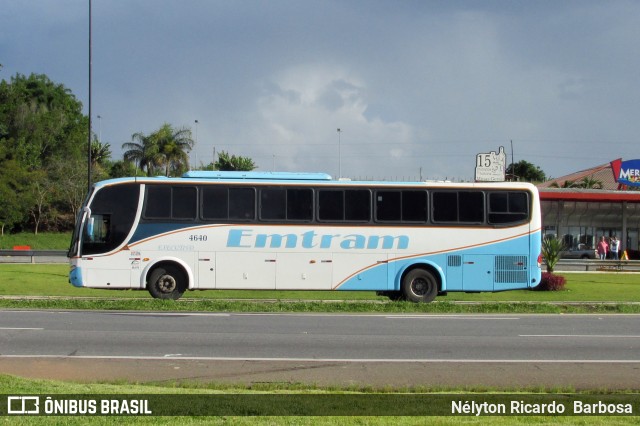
x,y
491,166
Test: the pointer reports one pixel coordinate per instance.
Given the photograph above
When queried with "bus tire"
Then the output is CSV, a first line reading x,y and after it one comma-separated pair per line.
x,y
419,285
166,282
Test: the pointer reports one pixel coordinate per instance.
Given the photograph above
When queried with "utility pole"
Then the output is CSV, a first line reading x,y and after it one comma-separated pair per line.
x,y
89,137
339,156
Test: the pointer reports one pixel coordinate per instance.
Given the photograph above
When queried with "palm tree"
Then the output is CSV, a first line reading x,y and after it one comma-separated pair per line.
x,y
100,152
551,251
143,151
166,148
174,146
590,182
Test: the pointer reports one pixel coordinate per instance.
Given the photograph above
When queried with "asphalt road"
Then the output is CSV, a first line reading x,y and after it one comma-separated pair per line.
x,y
577,351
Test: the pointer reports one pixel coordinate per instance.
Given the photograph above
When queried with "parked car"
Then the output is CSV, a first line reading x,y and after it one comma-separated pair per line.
x,y
579,253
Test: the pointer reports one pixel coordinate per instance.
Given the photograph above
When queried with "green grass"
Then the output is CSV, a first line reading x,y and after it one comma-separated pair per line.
x,y
587,289
52,280
18,386
42,241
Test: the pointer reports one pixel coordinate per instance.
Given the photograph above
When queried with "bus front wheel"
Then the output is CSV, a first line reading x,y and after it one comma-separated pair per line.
x,y
419,285
166,282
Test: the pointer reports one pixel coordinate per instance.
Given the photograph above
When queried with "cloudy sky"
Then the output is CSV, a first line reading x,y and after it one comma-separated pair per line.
x,y
417,88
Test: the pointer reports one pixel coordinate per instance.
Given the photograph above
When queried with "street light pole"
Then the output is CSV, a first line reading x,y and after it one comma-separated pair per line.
x,y
339,155
196,121
89,137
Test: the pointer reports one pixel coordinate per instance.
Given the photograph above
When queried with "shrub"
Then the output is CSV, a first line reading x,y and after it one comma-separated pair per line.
x,y
551,249
551,282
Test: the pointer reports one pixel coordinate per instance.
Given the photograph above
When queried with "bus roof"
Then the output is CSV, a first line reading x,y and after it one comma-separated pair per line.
x,y
321,179
201,174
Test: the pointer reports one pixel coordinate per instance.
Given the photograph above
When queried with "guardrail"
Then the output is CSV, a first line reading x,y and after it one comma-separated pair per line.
x,y
564,265
569,265
33,256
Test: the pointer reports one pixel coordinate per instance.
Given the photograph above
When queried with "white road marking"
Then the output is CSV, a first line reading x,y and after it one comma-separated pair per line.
x,y
20,328
451,317
598,336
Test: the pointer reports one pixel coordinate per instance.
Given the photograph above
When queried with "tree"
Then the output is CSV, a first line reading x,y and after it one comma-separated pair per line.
x,y
230,163
588,182
143,151
551,251
40,121
41,125
43,191
167,148
525,171
123,169
174,144
100,152
15,195
71,186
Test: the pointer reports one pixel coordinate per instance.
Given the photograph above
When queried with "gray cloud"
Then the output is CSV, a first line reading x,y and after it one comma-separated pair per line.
x,y
413,85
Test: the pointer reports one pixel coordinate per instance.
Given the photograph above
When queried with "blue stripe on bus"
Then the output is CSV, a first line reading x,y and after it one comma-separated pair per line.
x,y
148,230
386,276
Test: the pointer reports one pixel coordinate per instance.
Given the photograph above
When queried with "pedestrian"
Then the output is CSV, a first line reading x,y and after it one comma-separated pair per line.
x,y
615,248
603,248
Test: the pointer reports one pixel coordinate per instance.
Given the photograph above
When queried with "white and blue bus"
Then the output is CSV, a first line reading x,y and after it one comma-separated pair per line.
x,y
305,231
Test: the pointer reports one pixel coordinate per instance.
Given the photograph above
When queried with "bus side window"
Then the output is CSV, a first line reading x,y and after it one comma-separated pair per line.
x,y
508,207
330,205
458,206
299,204
471,206
215,203
401,206
388,206
414,206
352,205
242,203
357,205
184,203
158,202
273,204
445,206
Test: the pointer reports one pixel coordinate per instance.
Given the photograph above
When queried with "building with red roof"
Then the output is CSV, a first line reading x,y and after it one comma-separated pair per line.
x,y
601,201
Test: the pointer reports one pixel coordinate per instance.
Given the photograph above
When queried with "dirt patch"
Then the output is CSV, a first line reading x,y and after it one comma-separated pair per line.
x,y
580,376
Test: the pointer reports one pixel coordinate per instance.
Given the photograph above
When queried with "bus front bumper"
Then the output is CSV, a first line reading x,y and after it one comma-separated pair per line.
x,y
75,276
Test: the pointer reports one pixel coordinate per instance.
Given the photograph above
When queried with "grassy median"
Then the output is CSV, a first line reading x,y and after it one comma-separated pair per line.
x,y
46,286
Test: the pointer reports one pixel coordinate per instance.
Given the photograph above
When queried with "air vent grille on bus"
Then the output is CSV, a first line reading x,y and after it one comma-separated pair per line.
x,y
454,260
511,269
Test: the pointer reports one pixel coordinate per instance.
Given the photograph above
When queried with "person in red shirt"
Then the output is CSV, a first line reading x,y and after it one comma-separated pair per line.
x,y
603,248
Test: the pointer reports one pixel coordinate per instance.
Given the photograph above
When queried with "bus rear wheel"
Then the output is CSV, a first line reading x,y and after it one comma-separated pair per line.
x,y
166,282
419,285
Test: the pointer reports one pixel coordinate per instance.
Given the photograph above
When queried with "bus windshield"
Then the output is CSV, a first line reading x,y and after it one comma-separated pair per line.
x,y
106,221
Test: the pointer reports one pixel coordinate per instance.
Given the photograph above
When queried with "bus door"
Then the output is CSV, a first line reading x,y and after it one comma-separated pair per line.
x,y
304,271
477,272
206,270
246,270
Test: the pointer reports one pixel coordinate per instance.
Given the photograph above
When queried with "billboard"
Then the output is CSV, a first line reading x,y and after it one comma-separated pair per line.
x,y
626,172
491,166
